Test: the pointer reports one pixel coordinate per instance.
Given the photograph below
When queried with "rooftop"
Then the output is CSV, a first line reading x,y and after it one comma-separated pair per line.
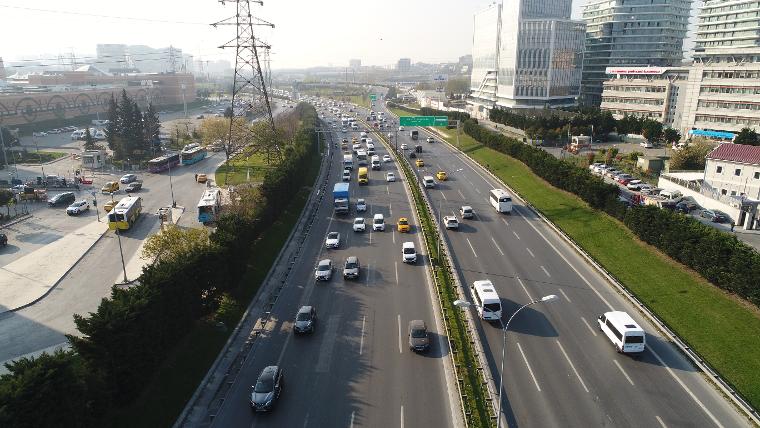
x,y
736,153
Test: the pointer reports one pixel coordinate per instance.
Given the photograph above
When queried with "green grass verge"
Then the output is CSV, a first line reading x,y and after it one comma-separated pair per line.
x,y
399,112
720,328
243,168
35,157
163,399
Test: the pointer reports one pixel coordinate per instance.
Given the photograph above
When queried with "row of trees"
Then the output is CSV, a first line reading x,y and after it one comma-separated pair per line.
x,y
718,257
131,133
124,341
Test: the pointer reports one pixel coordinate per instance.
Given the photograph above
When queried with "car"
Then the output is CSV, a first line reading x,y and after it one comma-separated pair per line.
x,y
430,140
646,145
108,206
593,166
687,204
3,239
634,184
200,116
78,207
419,163
647,189
332,240
466,212
404,146
39,134
346,175
624,179
128,178
390,136
418,336
361,205
428,181
611,172
390,177
306,320
267,389
359,224
714,216
324,270
54,131
408,252
110,187
378,223
402,225
351,268
400,129
386,158
441,176
133,186
451,222
62,198
418,148
201,178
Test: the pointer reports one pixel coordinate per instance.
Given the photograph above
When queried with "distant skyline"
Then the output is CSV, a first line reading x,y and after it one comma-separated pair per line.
x,y
324,33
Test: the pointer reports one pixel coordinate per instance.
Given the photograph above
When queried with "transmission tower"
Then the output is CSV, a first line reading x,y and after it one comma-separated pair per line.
x,y
172,60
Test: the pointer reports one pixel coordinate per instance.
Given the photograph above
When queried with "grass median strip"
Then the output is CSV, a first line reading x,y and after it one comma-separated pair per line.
x,y
722,329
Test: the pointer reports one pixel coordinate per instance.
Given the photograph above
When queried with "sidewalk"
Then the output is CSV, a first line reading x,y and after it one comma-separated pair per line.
x,y
31,277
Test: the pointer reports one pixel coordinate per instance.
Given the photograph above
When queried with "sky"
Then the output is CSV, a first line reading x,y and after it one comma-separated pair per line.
x,y
306,33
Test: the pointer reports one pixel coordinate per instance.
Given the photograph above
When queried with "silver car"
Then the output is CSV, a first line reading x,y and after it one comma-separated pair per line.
x,y
351,268
324,270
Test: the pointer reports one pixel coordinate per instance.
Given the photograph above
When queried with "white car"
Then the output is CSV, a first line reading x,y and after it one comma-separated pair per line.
x,y
390,177
378,223
346,175
404,146
39,134
408,252
400,129
78,207
466,212
332,240
390,136
451,222
361,205
646,144
634,185
359,224
324,270
386,158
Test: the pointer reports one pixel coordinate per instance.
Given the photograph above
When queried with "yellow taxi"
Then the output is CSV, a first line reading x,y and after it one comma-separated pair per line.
x,y
110,187
441,176
201,178
419,162
108,206
403,224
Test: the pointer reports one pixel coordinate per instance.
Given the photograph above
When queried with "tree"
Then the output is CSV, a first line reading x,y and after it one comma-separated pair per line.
x,y
112,128
228,112
214,130
89,142
671,136
651,130
391,94
458,86
151,125
174,243
747,136
691,158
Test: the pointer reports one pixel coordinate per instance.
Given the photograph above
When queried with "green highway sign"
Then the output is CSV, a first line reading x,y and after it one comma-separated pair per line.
x,y
373,97
423,121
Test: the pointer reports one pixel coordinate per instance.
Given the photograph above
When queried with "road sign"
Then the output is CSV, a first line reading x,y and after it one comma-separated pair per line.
x,y
373,97
423,121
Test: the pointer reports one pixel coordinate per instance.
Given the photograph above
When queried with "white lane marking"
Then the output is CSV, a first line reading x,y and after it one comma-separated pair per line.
x,y
390,209
497,246
393,235
361,343
444,196
563,293
395,265
352,420
545,271
473,249
461,195
387,189
589,326
400,347
476,189
516,235
524,288
623,371
572,267
530,252
368,269
528,365
402,416
572,366
505,221
662,424
306,420
471,183
683,385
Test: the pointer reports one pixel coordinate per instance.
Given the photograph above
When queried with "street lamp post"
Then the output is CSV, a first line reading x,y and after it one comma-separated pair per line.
x,y
121,250
171,187
465,304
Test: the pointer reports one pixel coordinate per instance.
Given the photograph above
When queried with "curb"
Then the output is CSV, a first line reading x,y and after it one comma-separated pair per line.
x,y
686,350
17,220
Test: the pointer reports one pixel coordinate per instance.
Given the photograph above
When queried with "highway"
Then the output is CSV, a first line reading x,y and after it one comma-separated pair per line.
x,y
356,369
560,370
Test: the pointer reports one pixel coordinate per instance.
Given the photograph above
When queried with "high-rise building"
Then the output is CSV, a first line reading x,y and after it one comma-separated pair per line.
x,y
727,31
355,63
630,33
2,70
404,65
526,54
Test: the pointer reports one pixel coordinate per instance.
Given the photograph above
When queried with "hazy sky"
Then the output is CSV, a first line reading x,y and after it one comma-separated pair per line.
x,y
307,33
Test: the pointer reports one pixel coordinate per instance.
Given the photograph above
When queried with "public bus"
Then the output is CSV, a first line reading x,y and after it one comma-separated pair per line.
x,y
210,205
363,175
125,213
501,200
196,154
162,163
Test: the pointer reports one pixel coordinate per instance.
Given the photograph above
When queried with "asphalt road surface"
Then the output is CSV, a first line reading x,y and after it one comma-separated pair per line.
x,y
560,370
356,369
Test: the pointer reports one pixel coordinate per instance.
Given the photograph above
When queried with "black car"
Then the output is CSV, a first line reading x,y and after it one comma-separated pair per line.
x,y
714,216
64,198
3,239
267,389
306,320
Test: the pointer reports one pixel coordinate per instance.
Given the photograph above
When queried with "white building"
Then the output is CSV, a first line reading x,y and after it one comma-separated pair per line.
x,y
526,54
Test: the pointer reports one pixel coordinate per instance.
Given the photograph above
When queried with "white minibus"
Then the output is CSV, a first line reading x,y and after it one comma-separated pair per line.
x,y
501,200
486,300
348,162
623,332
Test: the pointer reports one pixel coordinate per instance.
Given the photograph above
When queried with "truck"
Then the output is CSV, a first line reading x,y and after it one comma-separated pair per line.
x,y
341,198
414,134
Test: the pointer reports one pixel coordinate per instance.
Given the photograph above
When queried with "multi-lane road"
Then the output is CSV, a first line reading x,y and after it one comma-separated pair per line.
x,y
560,370
356,369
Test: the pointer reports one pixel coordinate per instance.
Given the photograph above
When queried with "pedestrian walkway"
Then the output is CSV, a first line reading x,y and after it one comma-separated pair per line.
x,y
31,277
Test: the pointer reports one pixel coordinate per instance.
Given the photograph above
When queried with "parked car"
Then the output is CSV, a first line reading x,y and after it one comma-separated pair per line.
x,y
351,268
128,178
3,239
624,179
78,207
634,185
39,134
306,320
359,224
201,178
267,389
689,203
466,212
418,336
646,145
332,240
61,199
324,270
714,216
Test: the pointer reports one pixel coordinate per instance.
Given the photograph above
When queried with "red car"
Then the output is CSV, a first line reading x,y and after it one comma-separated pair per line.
x,y
624,179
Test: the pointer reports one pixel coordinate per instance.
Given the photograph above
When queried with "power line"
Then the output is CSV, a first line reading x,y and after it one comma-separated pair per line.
x,y
95,15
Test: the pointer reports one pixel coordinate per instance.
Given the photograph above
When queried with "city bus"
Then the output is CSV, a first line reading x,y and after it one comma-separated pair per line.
x,y
125,213
191,156
363,175
501,200
210,205
162,163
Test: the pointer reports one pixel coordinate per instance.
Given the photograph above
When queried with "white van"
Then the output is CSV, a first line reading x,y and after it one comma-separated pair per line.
x,y
486,300
623,332
408,252
375,162
378,223
428,181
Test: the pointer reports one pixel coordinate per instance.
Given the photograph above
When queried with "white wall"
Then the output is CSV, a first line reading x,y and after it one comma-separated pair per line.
x,y
701,199
728,180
